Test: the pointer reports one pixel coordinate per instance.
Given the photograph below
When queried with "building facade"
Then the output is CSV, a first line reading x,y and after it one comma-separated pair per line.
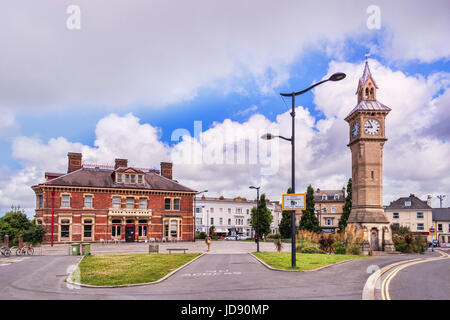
x,y
411,212
329,208
93,203
230,217
441,220
367,137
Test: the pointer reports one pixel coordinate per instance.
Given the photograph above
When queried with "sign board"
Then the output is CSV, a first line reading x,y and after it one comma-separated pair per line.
x,y
294,201
432,230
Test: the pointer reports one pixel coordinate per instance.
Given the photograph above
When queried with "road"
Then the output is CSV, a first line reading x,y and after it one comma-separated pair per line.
x,y
213,276
422,281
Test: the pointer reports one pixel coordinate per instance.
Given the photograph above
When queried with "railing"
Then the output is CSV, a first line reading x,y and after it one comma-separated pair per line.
x,y
130,212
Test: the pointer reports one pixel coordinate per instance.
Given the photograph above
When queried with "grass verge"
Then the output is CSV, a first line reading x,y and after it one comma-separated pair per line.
x,y
122,269
304,261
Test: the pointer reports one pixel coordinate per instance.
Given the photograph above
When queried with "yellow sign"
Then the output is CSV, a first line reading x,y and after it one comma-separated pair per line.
x,y
293,201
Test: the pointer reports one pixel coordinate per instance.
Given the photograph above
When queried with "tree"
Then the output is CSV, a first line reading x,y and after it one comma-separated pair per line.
x,y
15,223
265,217
285,225
347,207
309,220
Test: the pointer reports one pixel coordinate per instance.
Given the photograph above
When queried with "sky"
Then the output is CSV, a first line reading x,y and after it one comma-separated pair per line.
x,y
198,82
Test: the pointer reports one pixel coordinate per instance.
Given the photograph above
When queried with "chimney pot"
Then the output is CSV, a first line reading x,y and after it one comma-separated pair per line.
x,y
120,163
166,170
74,161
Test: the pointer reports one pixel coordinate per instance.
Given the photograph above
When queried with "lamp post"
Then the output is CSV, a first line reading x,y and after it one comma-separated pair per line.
x,y
257,216
335,77
200,192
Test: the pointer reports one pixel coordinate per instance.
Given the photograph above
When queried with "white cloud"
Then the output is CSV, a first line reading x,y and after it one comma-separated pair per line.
x,y
415,160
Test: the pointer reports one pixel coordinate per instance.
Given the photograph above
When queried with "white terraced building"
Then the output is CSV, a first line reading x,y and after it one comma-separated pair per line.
x,y
230,217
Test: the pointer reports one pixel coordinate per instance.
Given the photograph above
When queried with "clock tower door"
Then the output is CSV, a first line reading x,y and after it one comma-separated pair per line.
x,y
367,138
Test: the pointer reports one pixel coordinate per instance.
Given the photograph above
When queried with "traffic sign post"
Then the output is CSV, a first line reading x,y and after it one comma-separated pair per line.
x,y
294,201
432,232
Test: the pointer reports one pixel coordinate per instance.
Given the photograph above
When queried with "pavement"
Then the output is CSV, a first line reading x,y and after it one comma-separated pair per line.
x,y
226,273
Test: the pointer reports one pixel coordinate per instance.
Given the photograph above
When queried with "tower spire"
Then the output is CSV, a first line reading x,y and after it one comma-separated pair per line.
x,y
366,85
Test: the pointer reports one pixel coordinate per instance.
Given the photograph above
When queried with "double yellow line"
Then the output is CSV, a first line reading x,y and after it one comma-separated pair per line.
x,y
385,284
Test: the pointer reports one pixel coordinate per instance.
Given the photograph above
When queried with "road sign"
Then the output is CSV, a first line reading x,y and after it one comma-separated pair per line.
x,y
432,230
294,201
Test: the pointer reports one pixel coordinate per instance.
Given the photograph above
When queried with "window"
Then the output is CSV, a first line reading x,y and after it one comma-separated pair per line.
x,y
336,197
248,211
221,221
116,202
142,203
324,197
372,174
395,215
88,202
176,204
173,228
419,215
65,201
238,211
220,210
229,221
65,228
41,201
212,221
133,178
130,203
127,178
333,209
167,204
328,222
440,227
324,210
139,179
142,229
166,228
211,210
87,232
229,210
39,222
198,210
119,178
407,203
420,226
115,230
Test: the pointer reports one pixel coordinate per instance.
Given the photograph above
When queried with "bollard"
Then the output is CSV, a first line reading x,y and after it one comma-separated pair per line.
x,y
20,241
6,241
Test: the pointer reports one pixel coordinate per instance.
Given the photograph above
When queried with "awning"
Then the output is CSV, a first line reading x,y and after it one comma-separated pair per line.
x,y
221,230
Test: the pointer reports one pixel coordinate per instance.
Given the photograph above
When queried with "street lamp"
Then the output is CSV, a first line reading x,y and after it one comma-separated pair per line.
x,y
257,216
194,207
335,77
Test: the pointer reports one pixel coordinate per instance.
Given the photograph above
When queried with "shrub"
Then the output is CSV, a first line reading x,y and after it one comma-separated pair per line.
x,y
340,250
310,249
354,248
274,236
278,244
326,243
201,235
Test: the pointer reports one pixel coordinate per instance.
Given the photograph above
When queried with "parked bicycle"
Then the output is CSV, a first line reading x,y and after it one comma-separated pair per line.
x,y
25,251
5,251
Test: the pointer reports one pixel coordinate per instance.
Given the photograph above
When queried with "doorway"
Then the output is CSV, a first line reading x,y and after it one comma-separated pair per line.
x,y
374,239
129,233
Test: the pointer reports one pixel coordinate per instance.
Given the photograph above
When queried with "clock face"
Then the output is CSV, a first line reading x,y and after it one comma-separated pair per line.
x,y
355,129
371,126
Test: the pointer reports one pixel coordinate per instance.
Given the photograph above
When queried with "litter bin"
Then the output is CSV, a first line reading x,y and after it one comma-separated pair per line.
x,y
75,249
85,249
153,248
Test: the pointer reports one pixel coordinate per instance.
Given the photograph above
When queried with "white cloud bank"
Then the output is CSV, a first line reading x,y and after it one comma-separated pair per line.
x,y
415,155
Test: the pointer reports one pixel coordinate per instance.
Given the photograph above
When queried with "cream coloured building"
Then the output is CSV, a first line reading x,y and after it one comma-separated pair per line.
x,y
441,220
411,212
329,208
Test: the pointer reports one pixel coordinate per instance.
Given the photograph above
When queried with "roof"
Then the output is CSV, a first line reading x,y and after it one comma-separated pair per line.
x,y
330,195
441,214
366,76
369,105
416,204
103,178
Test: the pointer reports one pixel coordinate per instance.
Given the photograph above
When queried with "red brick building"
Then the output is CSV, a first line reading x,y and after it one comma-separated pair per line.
x,y
94,203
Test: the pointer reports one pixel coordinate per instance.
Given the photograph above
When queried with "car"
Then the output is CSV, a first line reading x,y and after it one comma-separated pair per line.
x,y
231,238
243,237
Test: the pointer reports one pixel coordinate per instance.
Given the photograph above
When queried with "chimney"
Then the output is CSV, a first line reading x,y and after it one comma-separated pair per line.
x,y
429,200
121,163
74,161
166,170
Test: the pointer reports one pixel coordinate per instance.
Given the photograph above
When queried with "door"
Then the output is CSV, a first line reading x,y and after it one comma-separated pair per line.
x,y
374,240
129,233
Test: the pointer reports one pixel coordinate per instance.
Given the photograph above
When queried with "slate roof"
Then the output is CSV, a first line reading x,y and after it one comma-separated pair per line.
x,y
103,178
330,195
416,204
369,105
366,75
441,214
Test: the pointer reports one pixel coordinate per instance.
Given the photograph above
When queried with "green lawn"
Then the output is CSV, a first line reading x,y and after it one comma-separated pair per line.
x,y
120,269
304,261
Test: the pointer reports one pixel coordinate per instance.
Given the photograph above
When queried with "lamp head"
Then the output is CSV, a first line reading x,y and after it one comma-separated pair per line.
x,y
337,76
267,136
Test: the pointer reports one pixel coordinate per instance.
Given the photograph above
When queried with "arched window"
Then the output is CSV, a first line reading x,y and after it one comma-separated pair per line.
x,y
324,197
336,197
367,92
371,93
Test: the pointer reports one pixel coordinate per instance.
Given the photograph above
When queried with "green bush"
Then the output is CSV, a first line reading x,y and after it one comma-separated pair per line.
x,y
400,246
274,236
201,235
354,248
311,249
340,250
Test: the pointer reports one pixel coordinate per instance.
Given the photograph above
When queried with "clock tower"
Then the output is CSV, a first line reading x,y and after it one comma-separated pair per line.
x,y
367,138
